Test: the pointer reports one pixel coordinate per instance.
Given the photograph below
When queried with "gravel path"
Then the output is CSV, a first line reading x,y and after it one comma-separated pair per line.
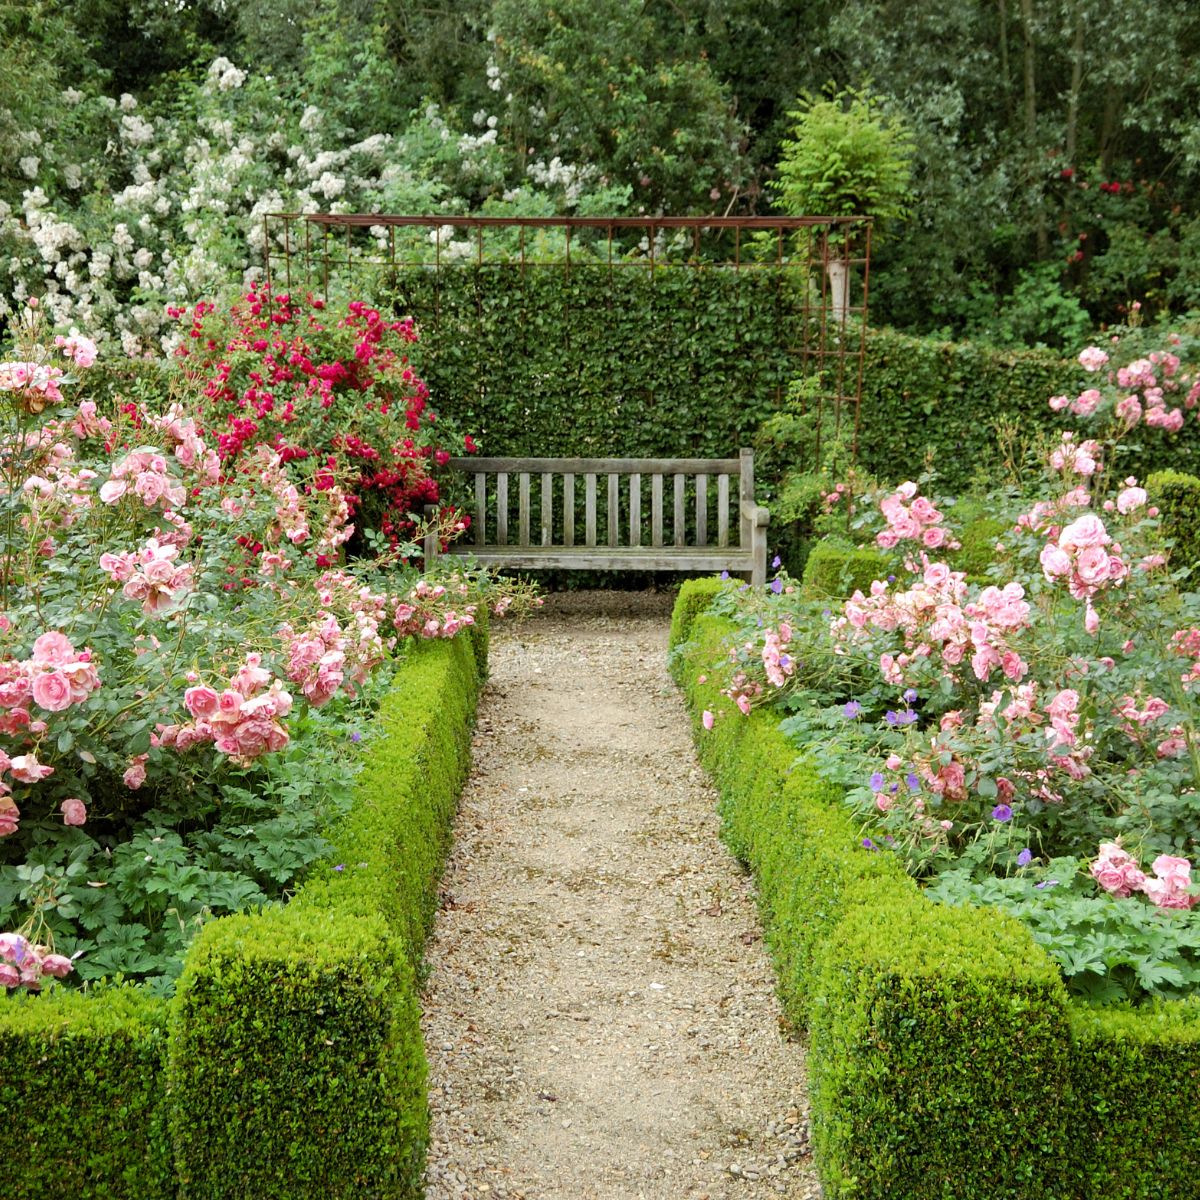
x,y
600,1014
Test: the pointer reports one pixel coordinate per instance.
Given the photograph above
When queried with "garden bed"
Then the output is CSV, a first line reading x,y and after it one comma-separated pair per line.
x,y
290,1062
946,1057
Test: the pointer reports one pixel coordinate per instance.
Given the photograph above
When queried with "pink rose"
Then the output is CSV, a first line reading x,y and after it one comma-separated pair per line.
x,y
1055,561
57,965
1092,566
1093,358
74,811
1087,530
9,975
26,769
933,537
10,817
1131,499
1085,403
52,691
201,701
135,773
1129,411
53,649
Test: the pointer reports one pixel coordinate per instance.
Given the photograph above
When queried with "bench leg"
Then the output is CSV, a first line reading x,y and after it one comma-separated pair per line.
x,y
758,546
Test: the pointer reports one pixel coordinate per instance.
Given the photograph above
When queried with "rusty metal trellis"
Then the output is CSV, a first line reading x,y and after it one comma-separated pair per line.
x,y
826,258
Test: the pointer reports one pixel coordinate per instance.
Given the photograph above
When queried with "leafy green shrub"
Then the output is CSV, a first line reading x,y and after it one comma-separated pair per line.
x,y
939,1042
978,535
836,570
847,156
296,1067
83,1095
1178,498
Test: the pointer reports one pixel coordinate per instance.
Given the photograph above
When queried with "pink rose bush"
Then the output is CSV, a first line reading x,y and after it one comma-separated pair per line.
x,y
185,652
994,731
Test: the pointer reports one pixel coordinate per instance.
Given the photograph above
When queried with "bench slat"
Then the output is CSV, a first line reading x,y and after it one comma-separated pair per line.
x,y
614,482
722,510
547,508
680,530
745,495
645,558
523,511
702,510
635,509
602,466
656,510
568,509
481,509
590,507
502,508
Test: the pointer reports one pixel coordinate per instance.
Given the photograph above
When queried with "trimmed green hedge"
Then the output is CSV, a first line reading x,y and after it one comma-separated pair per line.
x,y
946,1062
1178,498
1138,1073
294,1066
82,1096
835,570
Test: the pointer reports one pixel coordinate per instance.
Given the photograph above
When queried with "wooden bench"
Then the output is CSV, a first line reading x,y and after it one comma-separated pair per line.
x,y
619,538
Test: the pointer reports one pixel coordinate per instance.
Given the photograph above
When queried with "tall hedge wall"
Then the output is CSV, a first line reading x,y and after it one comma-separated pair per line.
x,y
289,1065
946,1061
690,362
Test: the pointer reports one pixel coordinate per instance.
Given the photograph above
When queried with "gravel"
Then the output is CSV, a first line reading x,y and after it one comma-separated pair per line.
x,y
600,1013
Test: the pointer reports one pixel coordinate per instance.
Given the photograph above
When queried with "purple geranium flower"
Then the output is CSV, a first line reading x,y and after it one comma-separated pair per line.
x,y
851,710
876,781
1002,813
1025,857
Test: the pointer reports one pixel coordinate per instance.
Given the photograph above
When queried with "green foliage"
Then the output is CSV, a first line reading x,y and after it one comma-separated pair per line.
x,y
943,403
589,82
1107,951
674,362
835,570
297,1067
926,1034
978,534
939,1042
1177,495
1038,312
847,156
83,1095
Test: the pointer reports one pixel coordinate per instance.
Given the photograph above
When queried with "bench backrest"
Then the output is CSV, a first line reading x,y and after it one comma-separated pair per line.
x,y
504,512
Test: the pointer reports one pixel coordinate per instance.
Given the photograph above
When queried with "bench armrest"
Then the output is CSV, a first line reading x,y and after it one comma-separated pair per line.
x,y
756,514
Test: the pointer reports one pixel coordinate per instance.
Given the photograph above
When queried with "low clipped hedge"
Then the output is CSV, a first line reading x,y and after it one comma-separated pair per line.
x,y
82,1096
1177,495
290,1063
834,569
946,1061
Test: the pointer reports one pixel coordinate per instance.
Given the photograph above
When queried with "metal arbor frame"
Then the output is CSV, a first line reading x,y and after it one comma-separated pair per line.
x,y
824,260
